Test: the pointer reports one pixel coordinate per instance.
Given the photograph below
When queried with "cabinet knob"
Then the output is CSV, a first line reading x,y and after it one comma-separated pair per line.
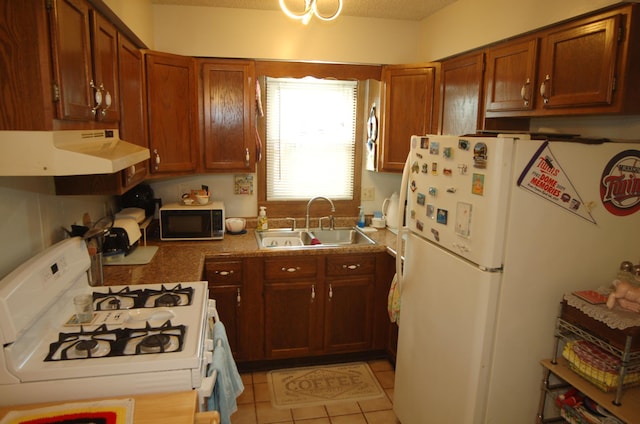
x,y
97,96
107,102
238,297
352,266
247,157
224,273
543,88
330,292
313,292
524,92
157,159
290,269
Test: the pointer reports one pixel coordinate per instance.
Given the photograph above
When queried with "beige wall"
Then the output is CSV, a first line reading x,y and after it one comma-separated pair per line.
x,y
467,24
137,15
262,34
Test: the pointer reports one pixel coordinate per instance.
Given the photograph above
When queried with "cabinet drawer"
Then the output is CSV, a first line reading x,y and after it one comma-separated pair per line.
x,y
223,272
345,265
290,268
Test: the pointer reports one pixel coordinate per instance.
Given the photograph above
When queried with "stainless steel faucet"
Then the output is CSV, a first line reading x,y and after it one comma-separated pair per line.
x,y
333,209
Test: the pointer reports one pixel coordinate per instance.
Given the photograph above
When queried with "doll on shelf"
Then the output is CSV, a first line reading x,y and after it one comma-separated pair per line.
x,y
626,295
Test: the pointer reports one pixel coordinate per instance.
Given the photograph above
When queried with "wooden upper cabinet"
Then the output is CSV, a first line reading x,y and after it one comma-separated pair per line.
x,y
172,112
510,76
133,120
105,59
585,66
408,108
85,63
461,94
228,116
578,65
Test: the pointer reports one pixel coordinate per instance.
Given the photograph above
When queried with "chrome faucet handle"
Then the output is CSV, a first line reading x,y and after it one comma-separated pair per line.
x,y
332,222
293,223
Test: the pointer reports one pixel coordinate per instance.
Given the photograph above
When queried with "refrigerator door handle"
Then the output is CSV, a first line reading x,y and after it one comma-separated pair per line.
x,y
402,230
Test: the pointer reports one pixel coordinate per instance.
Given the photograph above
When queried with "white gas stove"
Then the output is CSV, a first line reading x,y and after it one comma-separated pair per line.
x,y
142,339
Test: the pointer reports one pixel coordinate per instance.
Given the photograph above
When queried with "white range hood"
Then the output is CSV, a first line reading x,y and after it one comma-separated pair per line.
x,y
68,152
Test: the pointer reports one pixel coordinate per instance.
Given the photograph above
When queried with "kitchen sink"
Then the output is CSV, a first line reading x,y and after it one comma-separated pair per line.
x,y
312,238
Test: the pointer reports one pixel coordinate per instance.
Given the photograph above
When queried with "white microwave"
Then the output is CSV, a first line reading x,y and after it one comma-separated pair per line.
x,y
192,222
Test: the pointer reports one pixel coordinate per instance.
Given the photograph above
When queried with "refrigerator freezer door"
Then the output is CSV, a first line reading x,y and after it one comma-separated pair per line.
x,y
445,339
458,194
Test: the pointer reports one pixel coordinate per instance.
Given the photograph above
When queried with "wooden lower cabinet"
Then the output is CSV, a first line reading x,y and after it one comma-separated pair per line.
x,y
300,306
319,305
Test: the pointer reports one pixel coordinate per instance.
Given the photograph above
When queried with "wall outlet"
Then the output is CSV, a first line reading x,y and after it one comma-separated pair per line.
x,y
368,194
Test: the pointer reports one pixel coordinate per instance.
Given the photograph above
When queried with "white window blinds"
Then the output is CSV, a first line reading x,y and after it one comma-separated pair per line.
x,y
311,132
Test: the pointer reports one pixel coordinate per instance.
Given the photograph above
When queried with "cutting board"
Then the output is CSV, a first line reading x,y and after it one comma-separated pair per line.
x,y
142,255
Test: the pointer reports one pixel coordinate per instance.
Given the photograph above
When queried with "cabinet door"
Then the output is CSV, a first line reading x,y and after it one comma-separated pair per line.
x,y
349,291
228,90
226,287
292,319
461,91
73,68
348,317
133,122
105,58
511,76
171,103
578,64
408,108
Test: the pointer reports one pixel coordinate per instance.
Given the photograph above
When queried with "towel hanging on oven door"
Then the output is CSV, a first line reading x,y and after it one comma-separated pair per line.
x,y
228,385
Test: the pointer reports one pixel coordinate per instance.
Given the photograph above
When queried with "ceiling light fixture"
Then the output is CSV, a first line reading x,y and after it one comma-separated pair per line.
x,y
310,9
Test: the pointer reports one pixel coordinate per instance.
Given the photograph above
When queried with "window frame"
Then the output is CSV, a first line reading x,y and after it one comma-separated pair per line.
x,y
361,73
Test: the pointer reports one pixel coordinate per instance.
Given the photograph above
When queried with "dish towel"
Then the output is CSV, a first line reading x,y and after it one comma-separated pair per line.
x,y
228,385
393,301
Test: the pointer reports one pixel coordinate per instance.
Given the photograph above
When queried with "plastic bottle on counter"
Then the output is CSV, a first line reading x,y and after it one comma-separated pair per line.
x,y
263,221
361,217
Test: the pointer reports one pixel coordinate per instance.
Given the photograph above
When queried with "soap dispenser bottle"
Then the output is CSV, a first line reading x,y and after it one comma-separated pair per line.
x,y
361,217
263,222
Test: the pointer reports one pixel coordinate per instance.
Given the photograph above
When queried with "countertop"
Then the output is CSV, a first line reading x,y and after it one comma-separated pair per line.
x,y
156,408
183,261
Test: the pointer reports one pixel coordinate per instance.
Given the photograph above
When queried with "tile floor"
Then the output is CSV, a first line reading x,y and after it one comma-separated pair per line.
x,y
254,405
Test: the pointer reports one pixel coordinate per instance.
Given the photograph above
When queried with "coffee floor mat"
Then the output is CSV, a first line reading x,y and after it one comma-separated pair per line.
x,y
322,385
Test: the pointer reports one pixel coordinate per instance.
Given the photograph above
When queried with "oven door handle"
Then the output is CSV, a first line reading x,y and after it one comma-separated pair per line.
x,y
205,391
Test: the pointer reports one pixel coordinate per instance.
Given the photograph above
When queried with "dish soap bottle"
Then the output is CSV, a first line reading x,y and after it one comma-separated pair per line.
x,y
263,221
361,217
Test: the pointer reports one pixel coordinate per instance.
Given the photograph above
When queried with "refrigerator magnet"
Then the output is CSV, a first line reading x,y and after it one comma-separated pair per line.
x,y
413,186
430,211
433,191
421,199
415,167
425,168
463,144
477,185
442,216
462,168
480,155
434,148
447,171
447,153
434,168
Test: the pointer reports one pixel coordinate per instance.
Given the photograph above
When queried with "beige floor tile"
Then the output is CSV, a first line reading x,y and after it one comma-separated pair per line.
x,y
349,419
390,393
247,395
324,420
386,378
267,414
381,417
259,377
246,414
247,378
261,392
380,365
343,408
378,404
309,412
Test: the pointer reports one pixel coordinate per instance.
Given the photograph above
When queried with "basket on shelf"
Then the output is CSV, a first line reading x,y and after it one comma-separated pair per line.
x,y
598,366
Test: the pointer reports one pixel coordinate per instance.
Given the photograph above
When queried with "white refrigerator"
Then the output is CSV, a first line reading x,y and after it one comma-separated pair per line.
x,y
497,230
